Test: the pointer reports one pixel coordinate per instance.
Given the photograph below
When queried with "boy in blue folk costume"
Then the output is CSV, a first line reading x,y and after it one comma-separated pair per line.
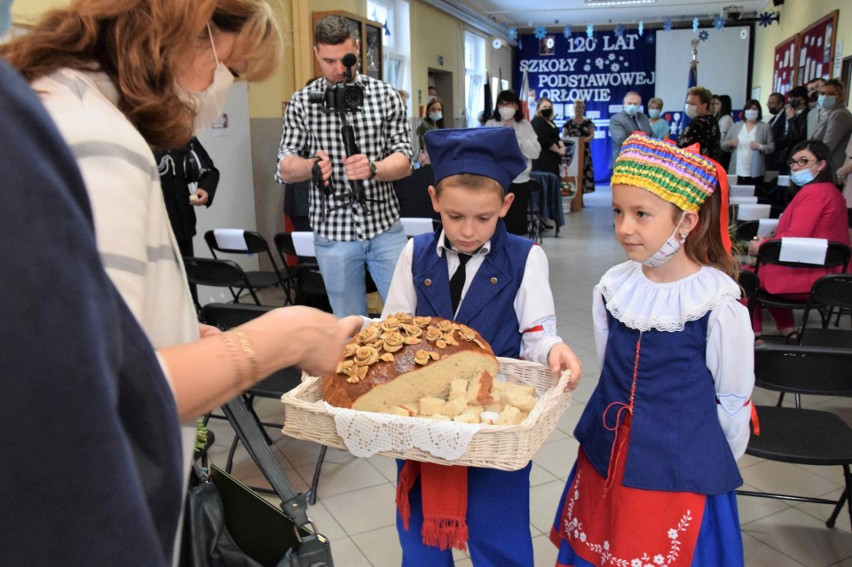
x,y
474,272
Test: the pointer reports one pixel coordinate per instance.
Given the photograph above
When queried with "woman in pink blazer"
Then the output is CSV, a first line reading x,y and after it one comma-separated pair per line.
x,y
817,210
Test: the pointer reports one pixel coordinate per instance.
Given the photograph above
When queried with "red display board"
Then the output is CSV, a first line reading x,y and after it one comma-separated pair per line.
x,y
816,49
786,70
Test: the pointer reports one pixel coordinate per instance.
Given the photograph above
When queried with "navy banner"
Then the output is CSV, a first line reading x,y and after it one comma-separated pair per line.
x,y
599,70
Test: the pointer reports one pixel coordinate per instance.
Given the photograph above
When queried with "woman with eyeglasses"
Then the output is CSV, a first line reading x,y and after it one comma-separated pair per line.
x,y
817,210
748,142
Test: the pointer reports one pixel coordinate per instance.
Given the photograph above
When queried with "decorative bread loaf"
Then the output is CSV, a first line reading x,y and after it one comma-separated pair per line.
x,y
410,366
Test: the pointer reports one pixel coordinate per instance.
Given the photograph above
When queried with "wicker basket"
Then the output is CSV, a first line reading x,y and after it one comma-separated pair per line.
x,y
504,447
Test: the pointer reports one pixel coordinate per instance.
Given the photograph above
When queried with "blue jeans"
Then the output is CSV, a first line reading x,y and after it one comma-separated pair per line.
x,y
342,266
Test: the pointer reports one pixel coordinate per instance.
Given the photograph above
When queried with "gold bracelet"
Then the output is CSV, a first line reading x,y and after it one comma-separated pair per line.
x,y
248,351
234,353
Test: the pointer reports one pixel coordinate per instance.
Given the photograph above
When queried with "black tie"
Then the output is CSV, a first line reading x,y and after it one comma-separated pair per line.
x,y
635,123
457,281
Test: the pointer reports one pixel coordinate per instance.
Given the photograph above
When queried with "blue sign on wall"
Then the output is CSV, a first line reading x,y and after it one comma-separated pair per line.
x,y
599,70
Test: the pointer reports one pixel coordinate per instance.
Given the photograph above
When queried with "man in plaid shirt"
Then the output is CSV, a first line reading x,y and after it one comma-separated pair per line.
x,y
349,234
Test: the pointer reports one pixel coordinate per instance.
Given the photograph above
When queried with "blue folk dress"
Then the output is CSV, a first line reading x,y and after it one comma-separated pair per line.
x,y
654,480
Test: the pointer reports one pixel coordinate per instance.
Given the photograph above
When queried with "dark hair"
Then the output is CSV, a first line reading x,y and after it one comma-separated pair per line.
x,y
798,92
822,153
754,102
511,97
439,123
726,105
776,95
333,30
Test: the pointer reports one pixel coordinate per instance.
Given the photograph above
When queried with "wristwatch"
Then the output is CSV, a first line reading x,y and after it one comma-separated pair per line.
x,y
373,170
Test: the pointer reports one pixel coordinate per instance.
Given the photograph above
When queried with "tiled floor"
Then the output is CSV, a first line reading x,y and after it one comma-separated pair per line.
x,y
355,509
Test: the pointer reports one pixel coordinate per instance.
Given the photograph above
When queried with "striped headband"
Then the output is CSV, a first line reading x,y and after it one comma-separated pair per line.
x,y
676,175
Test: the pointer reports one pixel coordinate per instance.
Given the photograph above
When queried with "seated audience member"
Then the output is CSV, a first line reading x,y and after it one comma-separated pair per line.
x,y
834,121
434,119
844,179
749,142
817,210
703,130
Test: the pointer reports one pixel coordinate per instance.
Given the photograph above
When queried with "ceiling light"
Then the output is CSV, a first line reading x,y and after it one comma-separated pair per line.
x,y
597,3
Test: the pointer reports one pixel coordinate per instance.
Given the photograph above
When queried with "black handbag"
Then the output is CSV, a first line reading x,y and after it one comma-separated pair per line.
x,y
227,524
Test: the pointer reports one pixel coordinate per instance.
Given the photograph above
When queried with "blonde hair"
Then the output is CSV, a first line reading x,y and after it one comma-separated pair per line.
x,y
538,105
139,45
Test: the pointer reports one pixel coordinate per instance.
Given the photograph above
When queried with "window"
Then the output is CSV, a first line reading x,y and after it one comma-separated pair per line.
x,y
393,15
474,77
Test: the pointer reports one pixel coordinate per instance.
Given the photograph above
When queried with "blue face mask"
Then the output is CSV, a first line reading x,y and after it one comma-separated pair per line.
x,y
826,102
802,177
654,112
631,109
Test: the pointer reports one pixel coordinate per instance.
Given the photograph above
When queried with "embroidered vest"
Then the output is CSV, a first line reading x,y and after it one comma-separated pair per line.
x,y
676,441
488,305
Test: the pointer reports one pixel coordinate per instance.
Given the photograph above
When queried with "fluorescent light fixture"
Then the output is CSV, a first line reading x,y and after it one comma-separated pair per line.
x,y
598,3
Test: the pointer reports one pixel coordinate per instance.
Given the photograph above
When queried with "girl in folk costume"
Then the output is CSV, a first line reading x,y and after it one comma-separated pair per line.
x,y
654,479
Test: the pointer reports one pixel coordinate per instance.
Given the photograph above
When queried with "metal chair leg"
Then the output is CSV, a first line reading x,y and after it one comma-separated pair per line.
x,y
312,492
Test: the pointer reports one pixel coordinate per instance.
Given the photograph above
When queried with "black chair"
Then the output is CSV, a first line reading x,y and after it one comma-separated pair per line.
x,y
746,230
218,273
307,279
829,293
837,255
228,315
749,283
804,436
246,243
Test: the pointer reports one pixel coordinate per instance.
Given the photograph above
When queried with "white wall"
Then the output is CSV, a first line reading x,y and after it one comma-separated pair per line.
x,y
233,207
722,64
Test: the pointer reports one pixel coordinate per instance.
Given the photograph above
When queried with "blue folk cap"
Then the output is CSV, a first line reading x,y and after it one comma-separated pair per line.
x,y
491,152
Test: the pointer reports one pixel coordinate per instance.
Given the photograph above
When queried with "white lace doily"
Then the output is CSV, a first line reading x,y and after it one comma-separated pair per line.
x,y
366,434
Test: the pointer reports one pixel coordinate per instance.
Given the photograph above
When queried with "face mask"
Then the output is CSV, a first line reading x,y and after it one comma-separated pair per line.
x,y
435,116
654,113
751,114
209,103
802,177
507,113
668,249
547,112
690,110
631,109
826,102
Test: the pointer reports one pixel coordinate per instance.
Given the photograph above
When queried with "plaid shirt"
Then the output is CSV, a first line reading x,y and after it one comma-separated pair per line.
x,y
381,129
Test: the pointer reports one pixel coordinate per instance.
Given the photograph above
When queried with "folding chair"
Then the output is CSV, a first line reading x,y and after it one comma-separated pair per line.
x,y
228,315
836,255
308,282
218,273
828,293
534,220
746,230
246,242
804,436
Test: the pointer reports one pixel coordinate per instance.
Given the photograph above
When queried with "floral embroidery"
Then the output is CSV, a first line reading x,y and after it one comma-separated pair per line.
x,y
573,530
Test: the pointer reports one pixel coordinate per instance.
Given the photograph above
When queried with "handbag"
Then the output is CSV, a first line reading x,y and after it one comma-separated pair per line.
x,y
227,524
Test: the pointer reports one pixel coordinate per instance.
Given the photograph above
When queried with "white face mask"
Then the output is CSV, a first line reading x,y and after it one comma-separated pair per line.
x,y
435,116
668,249
751,114
209,103
690,110
507,113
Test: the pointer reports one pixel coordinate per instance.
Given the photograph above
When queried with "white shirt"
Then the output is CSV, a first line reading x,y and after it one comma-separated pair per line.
x,y
744,151
533,303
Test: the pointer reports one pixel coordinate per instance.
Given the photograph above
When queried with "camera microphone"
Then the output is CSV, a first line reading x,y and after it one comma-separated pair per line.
x,y
349,60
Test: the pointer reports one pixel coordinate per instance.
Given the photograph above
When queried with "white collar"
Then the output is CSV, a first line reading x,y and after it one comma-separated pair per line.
x,y
642,304
440,249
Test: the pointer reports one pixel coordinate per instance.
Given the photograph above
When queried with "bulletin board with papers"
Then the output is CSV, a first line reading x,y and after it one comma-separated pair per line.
x,y
816,49
785,71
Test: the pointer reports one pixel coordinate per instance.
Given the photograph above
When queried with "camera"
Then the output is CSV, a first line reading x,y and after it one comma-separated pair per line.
x,y
341,97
